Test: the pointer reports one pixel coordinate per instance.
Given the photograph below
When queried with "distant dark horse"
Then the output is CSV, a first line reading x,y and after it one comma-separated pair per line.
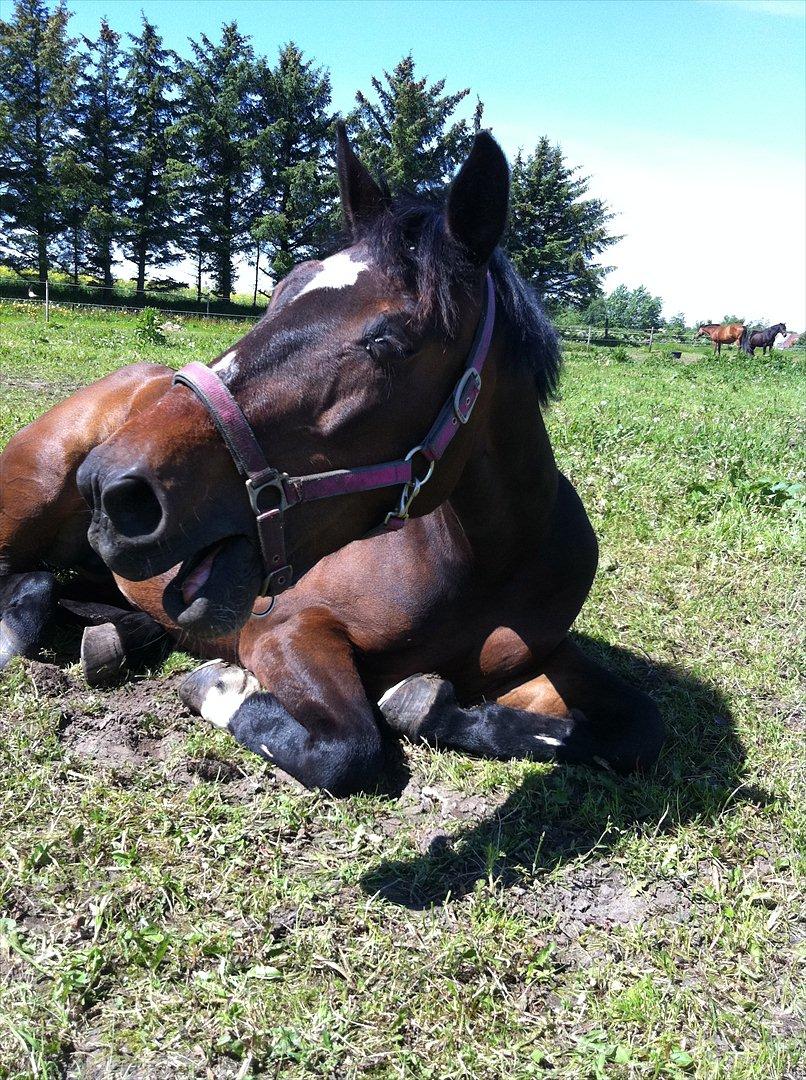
x,y
763,339
723,334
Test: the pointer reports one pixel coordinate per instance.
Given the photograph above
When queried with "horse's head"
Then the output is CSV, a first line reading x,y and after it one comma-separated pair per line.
x,y
349,367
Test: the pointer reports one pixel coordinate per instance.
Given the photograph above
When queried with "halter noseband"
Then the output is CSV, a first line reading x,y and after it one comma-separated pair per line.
x,y
262,480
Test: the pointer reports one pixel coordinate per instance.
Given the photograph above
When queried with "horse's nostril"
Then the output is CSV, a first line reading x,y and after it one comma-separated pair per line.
x,y
132,506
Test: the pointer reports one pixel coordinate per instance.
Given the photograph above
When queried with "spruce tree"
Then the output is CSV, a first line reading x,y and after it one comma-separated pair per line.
x,y
37,71
555,233
154,232
70,249
100,118
409,135
293,151
217,128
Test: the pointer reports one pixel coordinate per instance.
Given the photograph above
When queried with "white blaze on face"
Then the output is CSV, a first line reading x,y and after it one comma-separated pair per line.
x,y
226,364
338,272
231,688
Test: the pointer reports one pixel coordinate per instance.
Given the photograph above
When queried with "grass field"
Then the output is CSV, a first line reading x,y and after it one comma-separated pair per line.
x,y
170,907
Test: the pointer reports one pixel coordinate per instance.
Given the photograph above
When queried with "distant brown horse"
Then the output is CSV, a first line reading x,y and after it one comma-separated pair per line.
x,y
722,334
442,581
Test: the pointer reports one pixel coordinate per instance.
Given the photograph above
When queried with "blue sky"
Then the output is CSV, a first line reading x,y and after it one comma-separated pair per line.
x,y
689,115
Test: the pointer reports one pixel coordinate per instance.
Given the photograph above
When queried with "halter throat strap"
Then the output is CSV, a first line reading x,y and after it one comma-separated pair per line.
x,y
271,493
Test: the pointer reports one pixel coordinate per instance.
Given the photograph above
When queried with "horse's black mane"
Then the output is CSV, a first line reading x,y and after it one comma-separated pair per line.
x,y
410,238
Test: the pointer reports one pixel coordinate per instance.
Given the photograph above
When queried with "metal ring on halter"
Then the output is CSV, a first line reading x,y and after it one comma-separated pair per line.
x,y
268,611
410,490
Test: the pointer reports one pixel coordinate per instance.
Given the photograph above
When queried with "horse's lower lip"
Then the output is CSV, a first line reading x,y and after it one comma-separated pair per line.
x,y
214,589
200,572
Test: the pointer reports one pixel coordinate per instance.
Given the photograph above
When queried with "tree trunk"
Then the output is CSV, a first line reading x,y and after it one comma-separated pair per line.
x,y
107,264
40,170
257,264
142,242
225,268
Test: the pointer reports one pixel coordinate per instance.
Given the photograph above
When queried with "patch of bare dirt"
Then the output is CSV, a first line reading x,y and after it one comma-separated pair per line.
x,y
600,897
49,388
140,722
129,725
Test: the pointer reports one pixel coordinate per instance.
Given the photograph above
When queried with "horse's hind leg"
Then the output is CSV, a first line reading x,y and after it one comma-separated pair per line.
x,y
27,602
43,519
576,711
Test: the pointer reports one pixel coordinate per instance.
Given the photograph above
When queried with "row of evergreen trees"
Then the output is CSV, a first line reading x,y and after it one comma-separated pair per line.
x,y
110,147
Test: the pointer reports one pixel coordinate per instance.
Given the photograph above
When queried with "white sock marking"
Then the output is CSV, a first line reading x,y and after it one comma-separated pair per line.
x,y
337,272
549,740
231,689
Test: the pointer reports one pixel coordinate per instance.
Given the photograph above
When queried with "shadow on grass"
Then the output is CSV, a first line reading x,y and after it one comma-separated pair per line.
x,y
556,816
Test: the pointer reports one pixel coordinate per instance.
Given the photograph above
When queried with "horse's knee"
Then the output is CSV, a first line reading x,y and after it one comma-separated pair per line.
x,y
342,760
27,602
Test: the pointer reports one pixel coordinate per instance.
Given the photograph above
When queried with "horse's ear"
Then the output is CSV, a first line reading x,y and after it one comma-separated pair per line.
x,y
479,197
362,199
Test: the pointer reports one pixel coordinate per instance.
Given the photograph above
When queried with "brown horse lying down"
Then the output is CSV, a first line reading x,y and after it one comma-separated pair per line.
x,y
723,334
355,358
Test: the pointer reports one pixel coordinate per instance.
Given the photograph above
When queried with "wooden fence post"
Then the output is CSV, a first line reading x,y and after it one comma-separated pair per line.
x,y
47,301
589,337
651,335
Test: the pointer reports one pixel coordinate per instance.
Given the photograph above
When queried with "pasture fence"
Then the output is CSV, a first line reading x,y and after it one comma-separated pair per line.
x,y
173,301
650,337
208,305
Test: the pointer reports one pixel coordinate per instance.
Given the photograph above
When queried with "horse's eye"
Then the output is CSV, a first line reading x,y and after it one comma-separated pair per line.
x,y
386,347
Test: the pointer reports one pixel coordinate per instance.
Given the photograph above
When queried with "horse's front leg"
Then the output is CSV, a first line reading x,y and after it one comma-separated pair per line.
x,y
301,705
574,711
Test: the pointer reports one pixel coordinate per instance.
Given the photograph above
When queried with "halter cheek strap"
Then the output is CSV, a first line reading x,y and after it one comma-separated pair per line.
x,y
271,492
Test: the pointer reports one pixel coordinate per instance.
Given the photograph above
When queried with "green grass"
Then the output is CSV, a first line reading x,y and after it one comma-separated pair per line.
x,y
494,919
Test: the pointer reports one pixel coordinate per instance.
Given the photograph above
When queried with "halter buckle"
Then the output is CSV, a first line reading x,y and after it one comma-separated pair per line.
x,y
464,409
256,485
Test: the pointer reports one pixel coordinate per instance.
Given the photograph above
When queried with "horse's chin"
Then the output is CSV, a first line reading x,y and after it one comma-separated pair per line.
x,y
214,591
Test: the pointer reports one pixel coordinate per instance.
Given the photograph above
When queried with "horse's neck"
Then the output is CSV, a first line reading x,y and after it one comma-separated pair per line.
x,y
507,490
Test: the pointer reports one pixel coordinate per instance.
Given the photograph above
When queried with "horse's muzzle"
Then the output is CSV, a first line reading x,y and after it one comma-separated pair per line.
x,y
142,530
129,518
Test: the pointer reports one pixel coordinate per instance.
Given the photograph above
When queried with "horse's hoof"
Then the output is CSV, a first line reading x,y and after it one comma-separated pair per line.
x,y
10,646
408,705
110,650
27,602
103,656
216,690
